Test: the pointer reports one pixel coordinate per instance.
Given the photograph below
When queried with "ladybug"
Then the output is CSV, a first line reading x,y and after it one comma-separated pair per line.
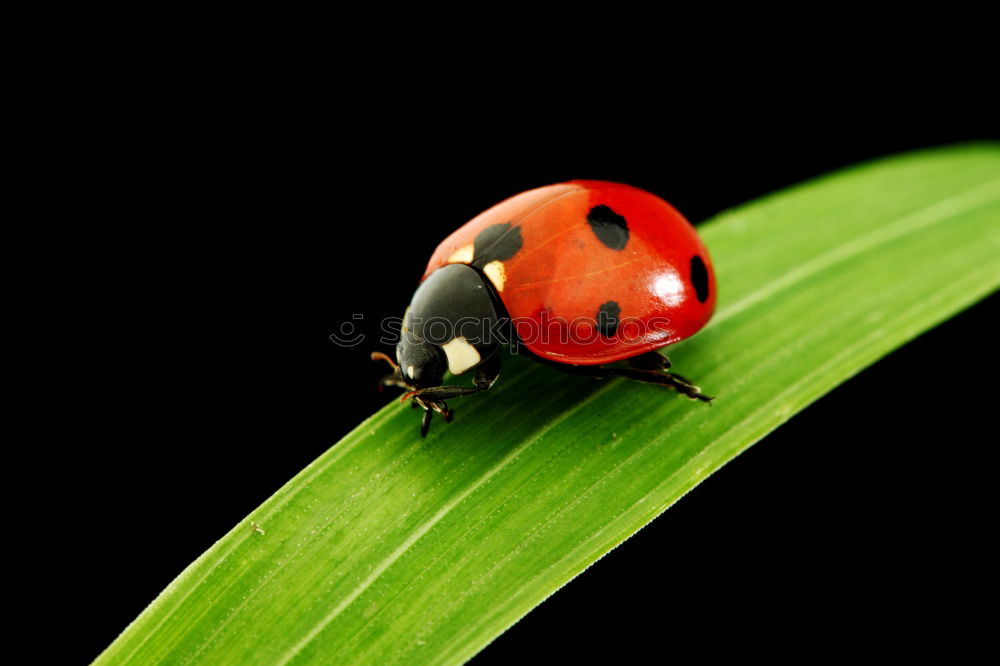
x,y
588,276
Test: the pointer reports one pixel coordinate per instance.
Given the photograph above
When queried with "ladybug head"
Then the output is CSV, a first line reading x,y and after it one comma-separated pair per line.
x,y
421,363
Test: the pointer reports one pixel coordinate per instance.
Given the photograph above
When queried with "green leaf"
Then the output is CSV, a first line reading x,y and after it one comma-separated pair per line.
x,y
390,549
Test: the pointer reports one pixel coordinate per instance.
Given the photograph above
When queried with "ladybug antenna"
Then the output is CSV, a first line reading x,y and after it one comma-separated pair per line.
x,y
379,356
394,378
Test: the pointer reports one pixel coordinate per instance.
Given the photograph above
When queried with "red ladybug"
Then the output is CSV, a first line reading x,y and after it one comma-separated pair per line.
x,y
579,275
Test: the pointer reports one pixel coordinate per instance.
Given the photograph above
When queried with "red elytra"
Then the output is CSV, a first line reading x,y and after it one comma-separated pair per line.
x,y
584,244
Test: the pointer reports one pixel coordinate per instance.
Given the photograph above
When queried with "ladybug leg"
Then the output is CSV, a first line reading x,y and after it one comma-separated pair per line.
x,y
431,406
682,385
486,377
651,368
391,380
650,361
425,422
432,399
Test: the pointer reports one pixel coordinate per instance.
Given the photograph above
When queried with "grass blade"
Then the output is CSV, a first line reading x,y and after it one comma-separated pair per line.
x,y
389,549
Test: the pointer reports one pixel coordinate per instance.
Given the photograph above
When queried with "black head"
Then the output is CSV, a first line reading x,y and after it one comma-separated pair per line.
x,y
421,363
448,327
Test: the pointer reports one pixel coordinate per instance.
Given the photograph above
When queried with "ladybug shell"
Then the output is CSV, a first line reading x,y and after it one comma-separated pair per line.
x,y
589,271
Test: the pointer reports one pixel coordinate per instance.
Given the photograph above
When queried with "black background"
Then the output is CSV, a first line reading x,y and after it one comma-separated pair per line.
x,y
202,376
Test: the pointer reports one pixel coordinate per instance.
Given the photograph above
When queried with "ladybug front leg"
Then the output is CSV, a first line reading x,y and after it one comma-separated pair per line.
x,y
429,409
391,380
486,377
432,399
431,406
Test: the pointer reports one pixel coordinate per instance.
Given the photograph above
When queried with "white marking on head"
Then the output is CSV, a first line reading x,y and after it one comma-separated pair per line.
x,y
461,355
410,370
462,255
497,273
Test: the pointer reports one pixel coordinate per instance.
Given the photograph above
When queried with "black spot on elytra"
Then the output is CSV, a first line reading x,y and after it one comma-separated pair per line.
x,y
497,242
699,278
607,318
609,227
